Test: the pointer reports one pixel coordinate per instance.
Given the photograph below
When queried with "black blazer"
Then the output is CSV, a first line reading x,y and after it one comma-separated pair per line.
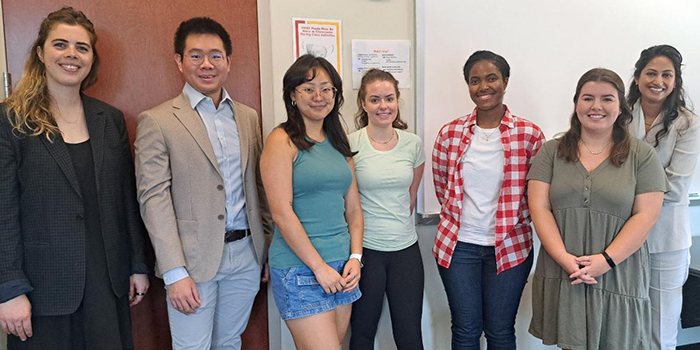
x,y
42,229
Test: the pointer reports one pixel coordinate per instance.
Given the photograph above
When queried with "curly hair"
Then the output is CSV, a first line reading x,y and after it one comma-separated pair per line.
x,y
28,106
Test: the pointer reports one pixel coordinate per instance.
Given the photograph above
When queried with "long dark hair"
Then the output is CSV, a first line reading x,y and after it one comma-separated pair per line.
x,y
675,101
568,146
304,69
372,75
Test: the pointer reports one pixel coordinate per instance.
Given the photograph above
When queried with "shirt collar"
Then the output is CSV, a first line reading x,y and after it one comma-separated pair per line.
x,y
507,119
194,97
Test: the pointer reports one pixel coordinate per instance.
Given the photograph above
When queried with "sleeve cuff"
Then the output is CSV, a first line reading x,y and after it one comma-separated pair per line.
x,y
12,289
174,275
140,268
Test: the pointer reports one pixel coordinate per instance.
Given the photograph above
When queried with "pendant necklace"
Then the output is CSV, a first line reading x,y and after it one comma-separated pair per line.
x,y
382,142
595,153
489,135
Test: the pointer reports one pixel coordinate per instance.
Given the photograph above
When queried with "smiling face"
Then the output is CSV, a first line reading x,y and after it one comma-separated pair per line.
x,y
381,103
597,107
312,102
486,86
657,80
205,76
67,55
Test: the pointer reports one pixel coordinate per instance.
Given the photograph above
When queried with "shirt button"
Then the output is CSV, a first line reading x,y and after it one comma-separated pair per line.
x,y
221,216
220,187
586,188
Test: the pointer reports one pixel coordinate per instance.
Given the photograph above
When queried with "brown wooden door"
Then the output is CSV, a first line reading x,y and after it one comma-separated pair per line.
x,y
135,42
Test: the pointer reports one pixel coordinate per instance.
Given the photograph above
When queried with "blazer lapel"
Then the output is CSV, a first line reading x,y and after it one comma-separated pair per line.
x,y
243,127
193,123
59,152
95,120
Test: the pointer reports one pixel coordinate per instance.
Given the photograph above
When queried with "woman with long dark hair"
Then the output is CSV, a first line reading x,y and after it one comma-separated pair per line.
x,y
594,195
71,237
661,118
308,174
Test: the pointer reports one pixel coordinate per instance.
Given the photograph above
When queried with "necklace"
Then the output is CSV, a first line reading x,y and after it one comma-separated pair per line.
x,y
489,135
382,142
595,153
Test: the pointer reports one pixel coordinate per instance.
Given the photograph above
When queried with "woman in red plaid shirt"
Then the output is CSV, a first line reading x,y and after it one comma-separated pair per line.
x,y
484,238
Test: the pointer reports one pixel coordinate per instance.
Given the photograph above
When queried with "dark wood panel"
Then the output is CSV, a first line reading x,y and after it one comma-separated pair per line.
x,y
138,72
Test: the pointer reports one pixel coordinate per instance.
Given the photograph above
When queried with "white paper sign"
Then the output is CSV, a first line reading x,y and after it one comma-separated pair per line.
x,y
392,56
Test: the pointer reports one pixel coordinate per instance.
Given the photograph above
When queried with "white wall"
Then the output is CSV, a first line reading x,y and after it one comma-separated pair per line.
x,y
549,44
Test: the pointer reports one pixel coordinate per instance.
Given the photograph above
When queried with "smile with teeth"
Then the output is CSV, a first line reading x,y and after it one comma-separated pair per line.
x,y
69,67
596,116
484,97
656,89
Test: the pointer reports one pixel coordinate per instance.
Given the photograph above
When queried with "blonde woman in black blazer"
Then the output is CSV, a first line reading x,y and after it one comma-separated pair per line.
x,y
71,238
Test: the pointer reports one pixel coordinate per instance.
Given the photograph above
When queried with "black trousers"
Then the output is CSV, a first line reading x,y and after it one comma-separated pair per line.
x,y
399,274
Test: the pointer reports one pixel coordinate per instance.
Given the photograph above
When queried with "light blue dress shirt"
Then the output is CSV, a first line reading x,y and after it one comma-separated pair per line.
x,y
226,142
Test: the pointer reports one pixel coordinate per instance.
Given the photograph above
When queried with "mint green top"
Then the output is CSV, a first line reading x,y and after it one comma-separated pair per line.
x,y
384,179
321,177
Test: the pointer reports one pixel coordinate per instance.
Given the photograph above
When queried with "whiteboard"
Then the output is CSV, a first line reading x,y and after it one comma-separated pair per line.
x,y
549,44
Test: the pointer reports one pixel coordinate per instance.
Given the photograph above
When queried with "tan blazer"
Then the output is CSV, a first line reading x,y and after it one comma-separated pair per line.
x,y
181,190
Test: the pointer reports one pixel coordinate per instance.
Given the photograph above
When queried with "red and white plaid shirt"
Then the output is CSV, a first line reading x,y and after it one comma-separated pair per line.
x,y
521,140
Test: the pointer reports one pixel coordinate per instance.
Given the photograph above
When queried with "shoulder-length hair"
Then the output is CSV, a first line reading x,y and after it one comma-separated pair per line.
x,y
28,106
568,146
304,69
675,101
372,75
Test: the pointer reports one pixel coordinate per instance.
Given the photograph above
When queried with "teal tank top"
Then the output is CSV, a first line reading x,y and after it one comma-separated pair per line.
x,y
321,177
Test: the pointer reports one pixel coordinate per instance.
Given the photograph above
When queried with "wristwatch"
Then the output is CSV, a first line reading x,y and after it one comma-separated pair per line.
x,y
608,259
359,258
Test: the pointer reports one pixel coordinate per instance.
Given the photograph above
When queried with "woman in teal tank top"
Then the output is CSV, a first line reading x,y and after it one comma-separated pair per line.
x,y
309,178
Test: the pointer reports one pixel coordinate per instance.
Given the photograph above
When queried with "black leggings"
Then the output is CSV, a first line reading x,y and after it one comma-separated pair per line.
x,y
400,275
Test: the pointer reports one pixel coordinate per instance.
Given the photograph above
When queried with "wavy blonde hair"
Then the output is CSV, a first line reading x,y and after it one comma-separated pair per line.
x,y
28,106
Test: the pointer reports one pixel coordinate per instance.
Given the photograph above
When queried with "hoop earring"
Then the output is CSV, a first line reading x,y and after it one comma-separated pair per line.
x,y
294,103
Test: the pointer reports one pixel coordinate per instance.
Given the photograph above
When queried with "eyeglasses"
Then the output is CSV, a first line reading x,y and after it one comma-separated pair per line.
x,y
325,92
215,58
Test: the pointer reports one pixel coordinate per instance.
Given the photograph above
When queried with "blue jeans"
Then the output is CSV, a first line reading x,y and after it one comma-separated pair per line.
x,y
480,300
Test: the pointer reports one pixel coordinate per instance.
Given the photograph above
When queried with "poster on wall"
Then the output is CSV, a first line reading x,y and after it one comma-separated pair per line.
x,y
393,56
319,37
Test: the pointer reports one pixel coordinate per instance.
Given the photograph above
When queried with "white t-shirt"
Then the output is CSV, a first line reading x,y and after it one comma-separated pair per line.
x,y
384,179
482,171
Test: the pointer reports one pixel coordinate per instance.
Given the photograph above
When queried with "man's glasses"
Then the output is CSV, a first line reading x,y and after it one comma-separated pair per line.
x,y
215,58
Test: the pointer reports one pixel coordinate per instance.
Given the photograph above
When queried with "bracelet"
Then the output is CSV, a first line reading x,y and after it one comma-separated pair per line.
x,y
358,257
608,259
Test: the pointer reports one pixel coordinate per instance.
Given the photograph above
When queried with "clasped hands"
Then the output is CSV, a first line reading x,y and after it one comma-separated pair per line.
x,y
585,268
332,282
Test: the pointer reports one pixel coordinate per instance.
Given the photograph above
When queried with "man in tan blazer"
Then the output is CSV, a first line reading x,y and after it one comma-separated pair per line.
x,y
201,196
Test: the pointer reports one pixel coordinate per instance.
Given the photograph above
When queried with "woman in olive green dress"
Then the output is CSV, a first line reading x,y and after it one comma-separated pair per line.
x,y
594,194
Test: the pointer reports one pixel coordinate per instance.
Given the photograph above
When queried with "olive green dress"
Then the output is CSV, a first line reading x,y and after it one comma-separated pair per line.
x,y
590,210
